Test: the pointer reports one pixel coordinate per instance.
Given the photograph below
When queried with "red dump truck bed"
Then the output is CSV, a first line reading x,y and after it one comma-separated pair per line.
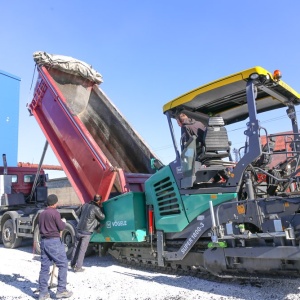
x,y
96,147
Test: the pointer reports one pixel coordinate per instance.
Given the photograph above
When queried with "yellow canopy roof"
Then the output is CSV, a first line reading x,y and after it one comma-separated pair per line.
x,y
227,97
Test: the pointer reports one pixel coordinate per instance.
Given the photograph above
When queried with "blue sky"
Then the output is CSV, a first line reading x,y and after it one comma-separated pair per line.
x,y
148,53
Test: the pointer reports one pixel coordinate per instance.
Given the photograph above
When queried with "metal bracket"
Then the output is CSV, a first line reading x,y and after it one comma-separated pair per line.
x,y
196,232
160,248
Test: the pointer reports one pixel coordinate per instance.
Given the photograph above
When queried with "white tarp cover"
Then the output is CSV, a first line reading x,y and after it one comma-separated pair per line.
x,y
68,64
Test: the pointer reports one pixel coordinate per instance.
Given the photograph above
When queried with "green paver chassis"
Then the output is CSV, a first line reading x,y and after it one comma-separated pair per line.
x,y
239,225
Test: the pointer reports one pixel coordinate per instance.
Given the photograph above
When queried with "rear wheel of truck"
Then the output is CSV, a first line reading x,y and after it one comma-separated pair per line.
x,y
68,237
9,237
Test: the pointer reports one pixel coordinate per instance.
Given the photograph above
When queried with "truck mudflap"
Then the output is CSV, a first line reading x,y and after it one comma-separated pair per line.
x,y
264,260
91,139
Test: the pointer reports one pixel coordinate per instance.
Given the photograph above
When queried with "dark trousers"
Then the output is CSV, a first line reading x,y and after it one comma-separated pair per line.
x,y
80,247
53,251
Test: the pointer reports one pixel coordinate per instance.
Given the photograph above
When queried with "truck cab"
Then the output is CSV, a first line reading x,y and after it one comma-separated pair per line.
x,y
19,181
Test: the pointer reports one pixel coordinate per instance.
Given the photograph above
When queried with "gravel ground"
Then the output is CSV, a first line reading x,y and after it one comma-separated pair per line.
x,y
105,279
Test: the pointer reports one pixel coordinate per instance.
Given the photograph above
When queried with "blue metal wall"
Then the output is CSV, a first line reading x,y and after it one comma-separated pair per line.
x,y
9,117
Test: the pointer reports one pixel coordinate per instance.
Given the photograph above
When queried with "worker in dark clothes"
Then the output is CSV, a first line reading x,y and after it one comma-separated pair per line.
x,y
52,250
190,127
89,216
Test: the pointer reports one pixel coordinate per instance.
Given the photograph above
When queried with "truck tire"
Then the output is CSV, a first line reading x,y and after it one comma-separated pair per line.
x,y
68,237
36,240
90,249
9,238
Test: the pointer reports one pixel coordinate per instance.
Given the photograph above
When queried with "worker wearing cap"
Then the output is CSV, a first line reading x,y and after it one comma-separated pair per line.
x,y
89,216
52,250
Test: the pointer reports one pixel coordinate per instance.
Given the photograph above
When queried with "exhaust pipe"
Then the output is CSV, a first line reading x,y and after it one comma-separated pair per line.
x,y
4,164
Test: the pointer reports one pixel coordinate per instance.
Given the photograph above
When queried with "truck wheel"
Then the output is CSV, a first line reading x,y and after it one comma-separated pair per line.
x,y
36,240
9,238
68,237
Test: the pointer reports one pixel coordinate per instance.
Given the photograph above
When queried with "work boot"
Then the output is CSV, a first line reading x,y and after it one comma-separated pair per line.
x,y
76,269
44,297
64,294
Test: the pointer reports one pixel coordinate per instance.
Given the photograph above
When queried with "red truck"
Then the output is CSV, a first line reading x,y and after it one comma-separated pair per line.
x,y
23,194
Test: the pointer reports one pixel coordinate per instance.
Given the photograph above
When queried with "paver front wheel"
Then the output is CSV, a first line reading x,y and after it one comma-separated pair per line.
x,y
9,238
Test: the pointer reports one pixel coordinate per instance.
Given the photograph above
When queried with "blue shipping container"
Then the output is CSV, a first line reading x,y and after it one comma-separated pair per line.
x,y
9,117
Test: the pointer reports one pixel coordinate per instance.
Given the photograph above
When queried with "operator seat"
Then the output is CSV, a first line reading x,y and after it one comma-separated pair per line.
x,y
216,144
215,147
208,167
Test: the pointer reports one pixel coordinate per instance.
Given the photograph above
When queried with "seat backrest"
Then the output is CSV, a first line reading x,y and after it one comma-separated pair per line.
x,y
216,144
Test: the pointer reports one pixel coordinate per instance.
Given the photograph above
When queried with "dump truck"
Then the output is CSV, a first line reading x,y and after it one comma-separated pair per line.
x,y
24,189
201,213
